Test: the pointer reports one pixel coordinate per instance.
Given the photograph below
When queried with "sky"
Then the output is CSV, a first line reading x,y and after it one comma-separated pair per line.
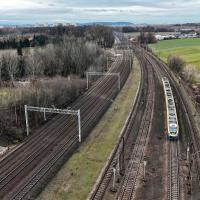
x,y
82,11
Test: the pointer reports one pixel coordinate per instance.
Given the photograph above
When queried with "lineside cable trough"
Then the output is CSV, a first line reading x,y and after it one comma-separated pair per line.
x,y
53,110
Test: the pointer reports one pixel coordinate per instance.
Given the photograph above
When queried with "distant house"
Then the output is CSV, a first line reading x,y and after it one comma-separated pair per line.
x,y
165,37
186,31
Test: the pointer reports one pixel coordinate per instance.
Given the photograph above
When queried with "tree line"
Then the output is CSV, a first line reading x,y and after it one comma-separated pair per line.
x,y
129,29
13,43
50,70
70,56
42,35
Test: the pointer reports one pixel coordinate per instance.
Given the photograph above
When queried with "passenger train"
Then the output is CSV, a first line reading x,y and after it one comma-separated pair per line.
x,y
172,120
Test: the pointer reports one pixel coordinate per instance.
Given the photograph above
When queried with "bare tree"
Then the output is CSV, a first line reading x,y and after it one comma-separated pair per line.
x,y
175,63
191,74
33,64
11,63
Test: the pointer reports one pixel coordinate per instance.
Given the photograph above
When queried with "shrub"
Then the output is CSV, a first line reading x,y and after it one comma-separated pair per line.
x,y
191,74
175,63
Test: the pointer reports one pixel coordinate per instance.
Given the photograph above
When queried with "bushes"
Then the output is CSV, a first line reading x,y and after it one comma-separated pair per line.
x,y
57,91
58,61
147,38
189,72
175,63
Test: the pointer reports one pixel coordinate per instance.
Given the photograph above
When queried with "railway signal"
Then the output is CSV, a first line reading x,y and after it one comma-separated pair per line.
x,y
53,110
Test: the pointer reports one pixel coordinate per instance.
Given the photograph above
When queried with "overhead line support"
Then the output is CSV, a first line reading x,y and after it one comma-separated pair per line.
x,y
52,110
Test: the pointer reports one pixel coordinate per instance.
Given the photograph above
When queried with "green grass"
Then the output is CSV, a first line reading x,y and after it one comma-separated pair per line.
x,y
77,177
6,96
188,49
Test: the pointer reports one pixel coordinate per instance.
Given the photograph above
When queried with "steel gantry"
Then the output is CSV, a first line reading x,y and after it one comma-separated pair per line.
x,y
53,110
103,74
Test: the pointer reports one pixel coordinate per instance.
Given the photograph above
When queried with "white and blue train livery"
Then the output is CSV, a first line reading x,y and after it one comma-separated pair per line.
x,y
172,120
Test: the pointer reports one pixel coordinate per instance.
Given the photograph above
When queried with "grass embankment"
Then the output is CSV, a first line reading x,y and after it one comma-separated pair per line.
x,y
77,177
188,49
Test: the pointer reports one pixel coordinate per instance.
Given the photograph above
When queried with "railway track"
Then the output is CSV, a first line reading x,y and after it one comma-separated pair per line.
x,y
191,132
173,186
188,130
126,189
173,172
123,155
23,171
132,172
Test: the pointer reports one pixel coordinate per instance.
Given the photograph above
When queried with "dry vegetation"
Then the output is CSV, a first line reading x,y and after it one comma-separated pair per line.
x,y
82,170
41,77
57,91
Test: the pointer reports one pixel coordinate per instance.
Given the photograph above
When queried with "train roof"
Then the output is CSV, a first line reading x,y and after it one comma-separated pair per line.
x,y
171,108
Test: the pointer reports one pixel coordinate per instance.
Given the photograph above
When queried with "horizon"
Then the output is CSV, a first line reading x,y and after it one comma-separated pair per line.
x,y
91,22
20,12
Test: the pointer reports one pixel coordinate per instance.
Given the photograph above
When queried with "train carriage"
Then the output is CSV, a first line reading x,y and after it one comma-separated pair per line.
x,y
172,120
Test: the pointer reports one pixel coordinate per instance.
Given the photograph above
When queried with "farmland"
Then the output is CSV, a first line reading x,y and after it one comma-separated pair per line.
x,y
188,49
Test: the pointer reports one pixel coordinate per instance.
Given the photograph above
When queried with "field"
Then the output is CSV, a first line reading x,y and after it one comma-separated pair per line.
x,y
188,49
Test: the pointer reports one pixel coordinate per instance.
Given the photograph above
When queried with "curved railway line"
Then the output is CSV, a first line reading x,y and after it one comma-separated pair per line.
x,y
24,171
135,130
188,130
126,183
132,171
173,155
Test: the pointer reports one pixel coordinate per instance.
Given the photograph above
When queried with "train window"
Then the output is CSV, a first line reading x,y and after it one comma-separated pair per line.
x,y
171,114
172,119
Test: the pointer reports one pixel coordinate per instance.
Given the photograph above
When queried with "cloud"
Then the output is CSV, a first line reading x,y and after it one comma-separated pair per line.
x,y
18,4
95,10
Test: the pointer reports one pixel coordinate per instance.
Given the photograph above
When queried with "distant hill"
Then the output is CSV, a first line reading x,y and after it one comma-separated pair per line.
x,y
107,24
